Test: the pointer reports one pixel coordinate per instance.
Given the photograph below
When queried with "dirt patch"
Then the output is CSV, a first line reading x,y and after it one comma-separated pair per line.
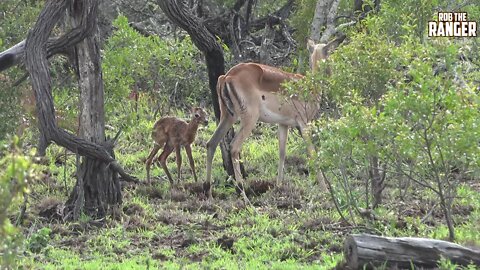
x,y
299,163
226,243
77,243
80,227
258,187
136,223
199,189
152,192
178,195
286,196
316,224
171,218
50,208
188,242
197,257
178,241
133,209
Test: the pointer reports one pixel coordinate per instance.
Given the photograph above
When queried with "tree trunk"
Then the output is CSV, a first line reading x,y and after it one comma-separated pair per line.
x,y
377,177
319,18
370,251
205,41
36,53
97,185
330,22
37,49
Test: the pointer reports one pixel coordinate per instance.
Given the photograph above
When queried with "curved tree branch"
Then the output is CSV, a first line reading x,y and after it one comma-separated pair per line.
x,y
36,56
15,55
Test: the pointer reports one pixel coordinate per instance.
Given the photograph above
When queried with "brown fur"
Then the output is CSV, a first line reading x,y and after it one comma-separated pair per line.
x,y
172,133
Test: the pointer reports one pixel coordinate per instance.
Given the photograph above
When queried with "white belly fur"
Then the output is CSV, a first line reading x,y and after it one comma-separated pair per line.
x,y
276,116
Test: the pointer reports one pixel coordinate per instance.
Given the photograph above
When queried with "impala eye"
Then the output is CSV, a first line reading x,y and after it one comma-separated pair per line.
x,y
197,115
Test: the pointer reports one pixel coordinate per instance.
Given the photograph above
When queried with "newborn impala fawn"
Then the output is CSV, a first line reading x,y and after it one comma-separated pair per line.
x,y
172,133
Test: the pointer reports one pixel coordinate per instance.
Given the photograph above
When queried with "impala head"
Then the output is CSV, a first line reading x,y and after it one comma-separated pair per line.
x,y
321,51
199,116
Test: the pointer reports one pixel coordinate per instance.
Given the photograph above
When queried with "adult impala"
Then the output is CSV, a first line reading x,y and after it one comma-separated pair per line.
x,y
253,92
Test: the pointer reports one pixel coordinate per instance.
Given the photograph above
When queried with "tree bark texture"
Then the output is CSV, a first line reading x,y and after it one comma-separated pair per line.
x,y
330,29
15,54
319,18
37,65
370,251
377,176
97,185
206,42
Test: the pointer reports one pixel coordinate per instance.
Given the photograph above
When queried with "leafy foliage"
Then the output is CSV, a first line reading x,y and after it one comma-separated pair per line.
x,y
16,170
408,102
165,70
16,17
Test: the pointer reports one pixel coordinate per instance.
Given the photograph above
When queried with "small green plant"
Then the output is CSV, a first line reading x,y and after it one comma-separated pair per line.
x,y
39,240
446,264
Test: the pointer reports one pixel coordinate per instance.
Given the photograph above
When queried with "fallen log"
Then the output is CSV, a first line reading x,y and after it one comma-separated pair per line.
x,y
370,251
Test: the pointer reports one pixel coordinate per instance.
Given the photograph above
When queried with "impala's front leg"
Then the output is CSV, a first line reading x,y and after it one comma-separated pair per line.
x,y
188,149
178,156
282,143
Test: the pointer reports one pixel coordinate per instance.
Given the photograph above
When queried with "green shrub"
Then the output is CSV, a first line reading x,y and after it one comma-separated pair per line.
x,y
39,240
168,73
16,170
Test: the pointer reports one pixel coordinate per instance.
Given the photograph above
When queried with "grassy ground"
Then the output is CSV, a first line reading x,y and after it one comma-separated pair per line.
x,y
290,226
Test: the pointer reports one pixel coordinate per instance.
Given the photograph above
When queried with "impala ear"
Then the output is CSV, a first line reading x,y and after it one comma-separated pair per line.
x,y
333,44
310,45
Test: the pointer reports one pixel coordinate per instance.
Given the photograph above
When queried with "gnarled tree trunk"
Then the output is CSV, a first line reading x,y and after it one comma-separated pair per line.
x,y
97,185
36,53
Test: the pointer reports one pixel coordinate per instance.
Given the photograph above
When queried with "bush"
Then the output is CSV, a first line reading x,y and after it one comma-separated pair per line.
x,y
16,170
407,110
169,73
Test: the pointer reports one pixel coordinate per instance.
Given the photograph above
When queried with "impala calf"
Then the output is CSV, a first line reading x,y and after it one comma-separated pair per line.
x,y
252,92
172,133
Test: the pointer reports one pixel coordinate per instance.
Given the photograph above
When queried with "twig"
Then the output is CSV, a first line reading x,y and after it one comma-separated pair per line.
x,y
334,198
65,172
428,214
23,209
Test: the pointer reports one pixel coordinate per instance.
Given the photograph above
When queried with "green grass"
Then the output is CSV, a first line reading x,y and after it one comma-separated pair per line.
x,y
292,226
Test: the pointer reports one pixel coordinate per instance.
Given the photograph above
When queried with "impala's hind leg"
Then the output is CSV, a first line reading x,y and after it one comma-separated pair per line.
x,y
178,157
188,149
225,124
167,150
148,163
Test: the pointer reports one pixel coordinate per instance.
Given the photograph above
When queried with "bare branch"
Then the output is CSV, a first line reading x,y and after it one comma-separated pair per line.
x,y
330,30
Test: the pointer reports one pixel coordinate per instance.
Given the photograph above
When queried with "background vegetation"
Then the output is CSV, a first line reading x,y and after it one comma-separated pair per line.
x,y
402,108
